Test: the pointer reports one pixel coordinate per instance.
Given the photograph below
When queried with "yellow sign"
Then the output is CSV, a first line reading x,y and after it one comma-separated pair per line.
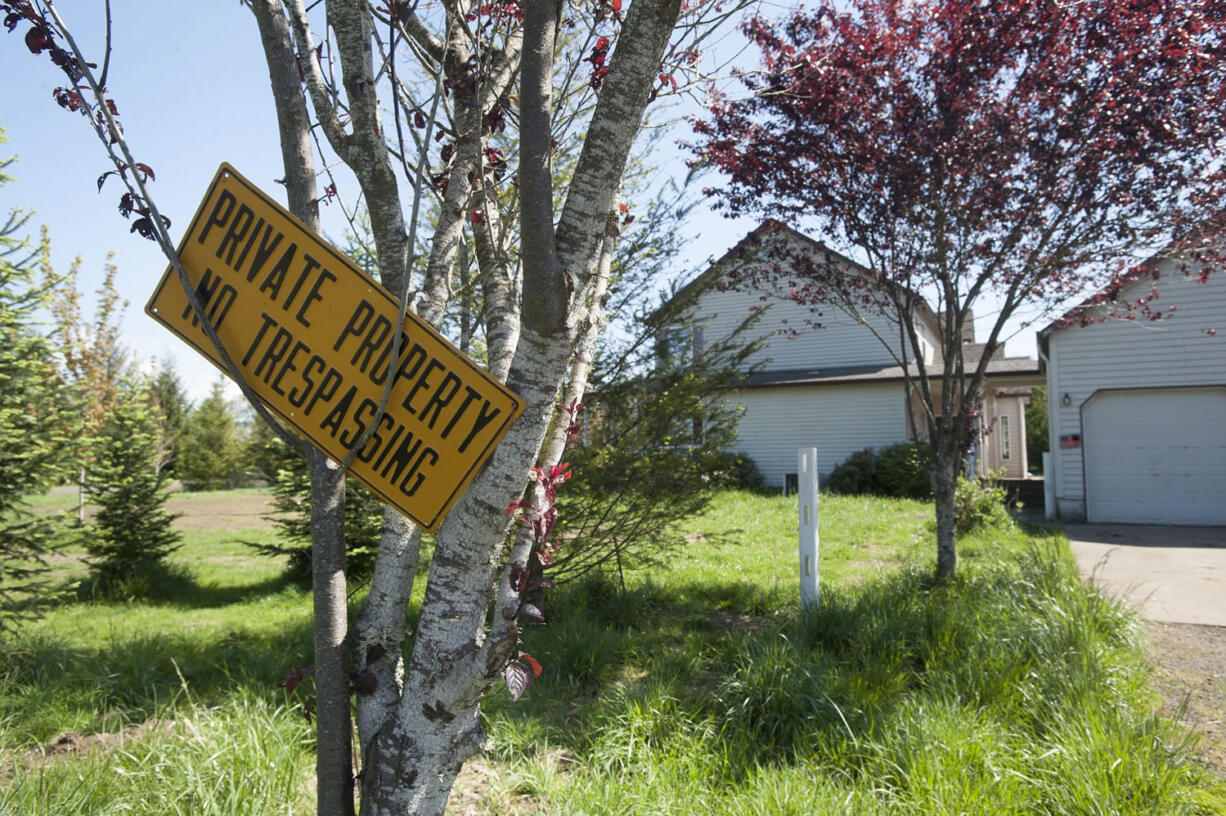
x,y
312,336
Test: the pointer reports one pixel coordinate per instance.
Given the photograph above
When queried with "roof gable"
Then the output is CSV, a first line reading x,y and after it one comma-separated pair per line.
x,y
744,250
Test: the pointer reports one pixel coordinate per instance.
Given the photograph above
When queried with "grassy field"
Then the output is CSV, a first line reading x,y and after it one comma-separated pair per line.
x,y
701,687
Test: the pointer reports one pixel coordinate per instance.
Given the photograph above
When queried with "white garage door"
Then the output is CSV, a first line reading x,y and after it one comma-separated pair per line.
x,y
1156,456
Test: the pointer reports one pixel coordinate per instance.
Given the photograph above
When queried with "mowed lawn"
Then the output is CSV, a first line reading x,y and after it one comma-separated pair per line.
x,y
701,687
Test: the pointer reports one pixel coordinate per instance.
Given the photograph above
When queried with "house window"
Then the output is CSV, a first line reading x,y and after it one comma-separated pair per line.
x,y
681,345
1004,438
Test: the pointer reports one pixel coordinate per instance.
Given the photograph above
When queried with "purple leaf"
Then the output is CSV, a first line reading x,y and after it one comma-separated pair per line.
x,y
532,613
518,677
294,677
519,577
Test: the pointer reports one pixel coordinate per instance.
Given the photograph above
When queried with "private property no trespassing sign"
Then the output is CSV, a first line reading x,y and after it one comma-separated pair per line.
x,y
312,335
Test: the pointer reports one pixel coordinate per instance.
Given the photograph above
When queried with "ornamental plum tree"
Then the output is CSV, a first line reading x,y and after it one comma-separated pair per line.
x,y
1008,153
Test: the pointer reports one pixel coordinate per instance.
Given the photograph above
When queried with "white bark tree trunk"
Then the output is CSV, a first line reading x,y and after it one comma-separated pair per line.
x,y
418,721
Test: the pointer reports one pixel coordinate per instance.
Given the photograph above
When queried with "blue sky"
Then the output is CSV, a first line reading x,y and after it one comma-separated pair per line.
x,y
192,91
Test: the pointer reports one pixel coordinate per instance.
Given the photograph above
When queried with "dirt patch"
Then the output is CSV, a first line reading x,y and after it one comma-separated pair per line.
x,y
733,621
74,744
222,510
485,787
861,570
1191,675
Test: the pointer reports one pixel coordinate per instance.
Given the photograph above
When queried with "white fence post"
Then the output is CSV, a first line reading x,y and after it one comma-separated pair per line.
x,y
806,484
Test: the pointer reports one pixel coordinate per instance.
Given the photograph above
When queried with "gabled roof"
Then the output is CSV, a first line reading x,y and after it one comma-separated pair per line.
x,y
1102,297
1107,295
709,278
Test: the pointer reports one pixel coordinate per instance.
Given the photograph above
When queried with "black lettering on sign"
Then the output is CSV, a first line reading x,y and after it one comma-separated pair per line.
x,y
238,231
356,325
339,412
472,394
484,417
391,443
313,295
220,215
315,365
288,365
310,264
378,372
327,389
415,474
402,457
267,324
215,296
276,276
375,442
379,331
237,266
275,350
422,383
442,395
366,407
267,246
409,366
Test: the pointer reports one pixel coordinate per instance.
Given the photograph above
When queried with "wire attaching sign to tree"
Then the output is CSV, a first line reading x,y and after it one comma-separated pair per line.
x,y
312,335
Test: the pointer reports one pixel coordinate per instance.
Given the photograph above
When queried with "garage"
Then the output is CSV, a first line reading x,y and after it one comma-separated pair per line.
x,y
1155,455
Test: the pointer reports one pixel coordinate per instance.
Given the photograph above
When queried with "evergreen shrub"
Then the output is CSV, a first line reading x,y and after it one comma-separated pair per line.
x,y
901,471
854,476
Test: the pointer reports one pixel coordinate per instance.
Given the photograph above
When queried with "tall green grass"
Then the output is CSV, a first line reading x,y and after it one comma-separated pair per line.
x,y
1013,689
702,687
242,758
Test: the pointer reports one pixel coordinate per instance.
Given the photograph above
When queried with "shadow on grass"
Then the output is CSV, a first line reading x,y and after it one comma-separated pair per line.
x,y
49,687
175,584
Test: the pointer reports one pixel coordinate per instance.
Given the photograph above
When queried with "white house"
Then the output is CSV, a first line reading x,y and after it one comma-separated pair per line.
x,y
1137,422
838,387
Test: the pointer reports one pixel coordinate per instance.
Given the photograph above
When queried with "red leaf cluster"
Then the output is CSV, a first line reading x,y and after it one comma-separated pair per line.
x,y
328,194
496,117
505,10
539,511
294,677
398,11
598,57
41,38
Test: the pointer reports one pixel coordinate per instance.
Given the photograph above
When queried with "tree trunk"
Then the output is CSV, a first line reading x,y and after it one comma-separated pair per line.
x,y
334,752
416,746
944,486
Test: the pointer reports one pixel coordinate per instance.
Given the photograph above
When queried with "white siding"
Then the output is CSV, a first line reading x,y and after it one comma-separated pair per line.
x,y
836,419
1122,354
839,342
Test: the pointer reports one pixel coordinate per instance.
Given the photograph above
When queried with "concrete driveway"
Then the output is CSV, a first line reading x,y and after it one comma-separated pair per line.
x,y
1169,574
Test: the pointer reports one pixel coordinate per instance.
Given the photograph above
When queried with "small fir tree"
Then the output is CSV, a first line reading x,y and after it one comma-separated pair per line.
x,y
174,408
212,453
291,489
92,360
133,529
35,423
